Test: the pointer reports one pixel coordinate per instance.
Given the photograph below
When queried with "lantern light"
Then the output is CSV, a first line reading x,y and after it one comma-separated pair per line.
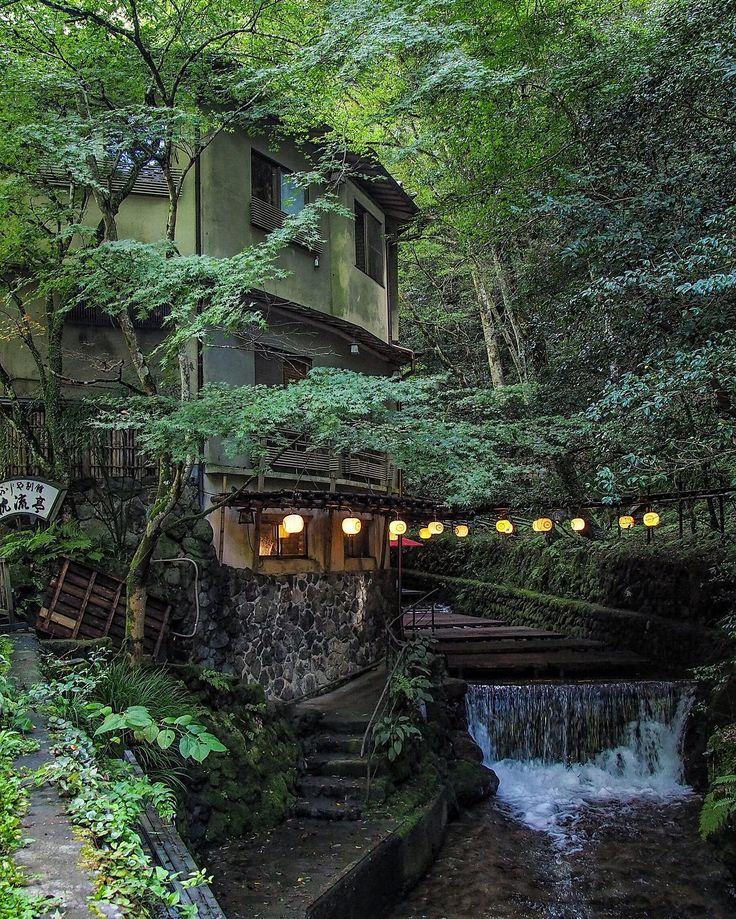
x,y
435,527
351,526
543,525
652,519
578,524
626,522
397,527
293,523
505,526
425,533
461,530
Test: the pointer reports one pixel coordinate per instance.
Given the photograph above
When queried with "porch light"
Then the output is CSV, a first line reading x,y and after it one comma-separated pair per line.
x,y
351,526
505,526
543,525
397,527
626,522
578,524
293,523
425,533
435,527
652,519
461,530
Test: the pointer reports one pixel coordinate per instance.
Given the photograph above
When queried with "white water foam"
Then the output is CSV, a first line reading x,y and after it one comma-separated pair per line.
x,y
645,764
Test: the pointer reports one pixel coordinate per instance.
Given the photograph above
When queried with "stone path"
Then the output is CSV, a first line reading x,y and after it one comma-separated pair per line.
x,y
51,858
281,875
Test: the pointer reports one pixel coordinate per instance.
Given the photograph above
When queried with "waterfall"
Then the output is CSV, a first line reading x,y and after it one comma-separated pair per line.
x,y
561,749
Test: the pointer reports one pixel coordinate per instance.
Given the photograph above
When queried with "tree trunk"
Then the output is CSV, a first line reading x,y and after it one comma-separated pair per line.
x,y
490,333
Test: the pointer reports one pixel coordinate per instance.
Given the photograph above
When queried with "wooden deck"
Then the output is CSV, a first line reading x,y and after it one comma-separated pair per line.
x,y
478,648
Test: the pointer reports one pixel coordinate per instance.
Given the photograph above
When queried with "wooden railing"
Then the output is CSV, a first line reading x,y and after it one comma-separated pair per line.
x,y
114,454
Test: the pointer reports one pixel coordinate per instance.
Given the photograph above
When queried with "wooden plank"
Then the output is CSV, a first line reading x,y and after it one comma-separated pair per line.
x,y
85,601
542,661
495,634
523,646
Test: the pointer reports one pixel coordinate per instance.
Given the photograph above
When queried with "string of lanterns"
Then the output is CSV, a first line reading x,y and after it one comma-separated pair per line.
x,y
294,523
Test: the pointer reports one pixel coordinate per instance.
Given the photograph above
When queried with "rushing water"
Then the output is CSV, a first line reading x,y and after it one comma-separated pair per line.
x,y
592,820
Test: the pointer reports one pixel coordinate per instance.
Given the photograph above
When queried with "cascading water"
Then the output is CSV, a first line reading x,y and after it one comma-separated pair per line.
x,y
558,749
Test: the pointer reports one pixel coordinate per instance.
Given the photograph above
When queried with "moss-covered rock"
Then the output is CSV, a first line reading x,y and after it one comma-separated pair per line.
x,y
471,782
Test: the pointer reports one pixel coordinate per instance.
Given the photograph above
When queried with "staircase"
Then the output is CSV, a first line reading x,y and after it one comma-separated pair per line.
x,y
333,784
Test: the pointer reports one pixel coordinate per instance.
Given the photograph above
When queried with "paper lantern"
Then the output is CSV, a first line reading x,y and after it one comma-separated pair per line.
x,y
351,526
435,527
293,523
543,525
425,533
578,524
461,530
397,527
505,527
626,522
652,519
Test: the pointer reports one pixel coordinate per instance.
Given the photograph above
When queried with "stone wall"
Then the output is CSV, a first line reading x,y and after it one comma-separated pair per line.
x,y
293,633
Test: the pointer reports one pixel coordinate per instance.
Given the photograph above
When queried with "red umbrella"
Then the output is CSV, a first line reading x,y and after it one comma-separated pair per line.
x,y
394,543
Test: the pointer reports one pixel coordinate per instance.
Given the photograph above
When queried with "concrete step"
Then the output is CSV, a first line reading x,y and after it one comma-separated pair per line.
x,y
330,786
338,724
338,764
327,809
339,743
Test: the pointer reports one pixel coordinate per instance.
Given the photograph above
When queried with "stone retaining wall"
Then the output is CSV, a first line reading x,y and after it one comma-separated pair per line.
x,y
668,644
293,633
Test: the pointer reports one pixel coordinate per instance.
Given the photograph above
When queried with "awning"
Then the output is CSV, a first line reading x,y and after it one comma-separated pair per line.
x,y
411,543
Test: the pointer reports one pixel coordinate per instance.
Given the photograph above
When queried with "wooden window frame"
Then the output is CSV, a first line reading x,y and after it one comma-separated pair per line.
x,y
364,219
278,171
274,520
363,538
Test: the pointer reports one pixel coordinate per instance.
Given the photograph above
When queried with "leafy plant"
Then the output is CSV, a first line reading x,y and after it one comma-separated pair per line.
x,y
391,734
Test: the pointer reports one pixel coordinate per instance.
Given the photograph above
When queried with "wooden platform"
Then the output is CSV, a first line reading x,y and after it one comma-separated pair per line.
x,y
478,648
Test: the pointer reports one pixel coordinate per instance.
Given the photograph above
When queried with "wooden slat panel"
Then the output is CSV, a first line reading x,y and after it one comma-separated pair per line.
x,y
269,218
150,181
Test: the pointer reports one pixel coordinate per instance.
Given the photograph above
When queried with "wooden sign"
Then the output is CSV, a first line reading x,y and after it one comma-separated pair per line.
x,y
30,497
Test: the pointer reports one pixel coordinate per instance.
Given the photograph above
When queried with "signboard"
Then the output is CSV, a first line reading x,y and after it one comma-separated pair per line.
x,y
30,497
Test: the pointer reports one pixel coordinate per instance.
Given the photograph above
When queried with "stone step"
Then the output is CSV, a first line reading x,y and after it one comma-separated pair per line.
x,y
339,764
337,724
330,786
339,743
327,809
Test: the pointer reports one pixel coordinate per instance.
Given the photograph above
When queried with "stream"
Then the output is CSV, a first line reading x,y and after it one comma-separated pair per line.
x,y
592,820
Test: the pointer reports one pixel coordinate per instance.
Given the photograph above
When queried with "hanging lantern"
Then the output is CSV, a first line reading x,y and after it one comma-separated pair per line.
x,y
461,530
435,527
351,526
425,533
578,524
293,523
626,522
397,527
652,519
543,525
505,527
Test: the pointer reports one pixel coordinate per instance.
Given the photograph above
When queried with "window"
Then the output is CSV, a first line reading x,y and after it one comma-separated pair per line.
x,y
275,542
274,367
295,369
368,243
359,546
275,185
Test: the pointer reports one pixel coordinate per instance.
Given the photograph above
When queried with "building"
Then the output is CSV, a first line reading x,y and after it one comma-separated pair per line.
x,y
336,306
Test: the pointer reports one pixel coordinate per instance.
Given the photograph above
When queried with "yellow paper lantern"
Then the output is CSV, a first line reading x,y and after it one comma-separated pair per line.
x,y
578,524
505,527
626,522
543,525
397,527
435,527
461,530
652,519
293,523
351,526
425,533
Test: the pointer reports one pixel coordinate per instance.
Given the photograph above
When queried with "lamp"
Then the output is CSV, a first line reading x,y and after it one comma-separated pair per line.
x,y
293,523
578,524
543,525
435,527
626,522
461,530
505,526
652,519
351,526
397,527
425,533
